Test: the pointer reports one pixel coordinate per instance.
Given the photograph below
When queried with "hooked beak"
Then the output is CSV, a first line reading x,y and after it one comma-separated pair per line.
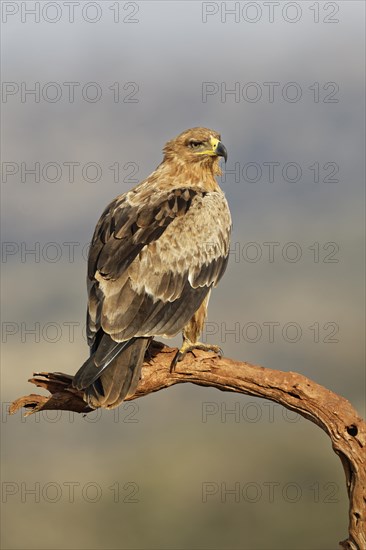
x,y
221,150
218,148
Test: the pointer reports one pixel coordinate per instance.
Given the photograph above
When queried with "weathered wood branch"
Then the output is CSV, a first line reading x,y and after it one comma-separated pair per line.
x,y
331,412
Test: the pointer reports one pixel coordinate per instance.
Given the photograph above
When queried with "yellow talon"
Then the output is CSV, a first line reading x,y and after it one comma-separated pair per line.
x,y
188,346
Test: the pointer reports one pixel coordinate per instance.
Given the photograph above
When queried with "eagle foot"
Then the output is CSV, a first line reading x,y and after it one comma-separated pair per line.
x,y
188,346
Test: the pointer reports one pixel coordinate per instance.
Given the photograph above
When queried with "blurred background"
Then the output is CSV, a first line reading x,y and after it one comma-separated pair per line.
x,y
91,92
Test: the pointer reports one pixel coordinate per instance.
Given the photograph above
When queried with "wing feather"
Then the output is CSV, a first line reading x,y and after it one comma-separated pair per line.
x,y
149,268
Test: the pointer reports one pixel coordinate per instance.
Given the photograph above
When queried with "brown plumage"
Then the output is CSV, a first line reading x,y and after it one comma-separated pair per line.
x,y
156,253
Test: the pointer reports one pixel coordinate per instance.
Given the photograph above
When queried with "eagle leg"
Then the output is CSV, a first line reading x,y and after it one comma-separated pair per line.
x,y
191,332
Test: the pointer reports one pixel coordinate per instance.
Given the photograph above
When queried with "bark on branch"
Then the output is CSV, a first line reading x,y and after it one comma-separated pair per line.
x,y
331,412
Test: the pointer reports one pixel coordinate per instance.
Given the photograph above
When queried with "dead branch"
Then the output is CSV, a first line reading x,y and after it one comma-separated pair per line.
x,y
331,412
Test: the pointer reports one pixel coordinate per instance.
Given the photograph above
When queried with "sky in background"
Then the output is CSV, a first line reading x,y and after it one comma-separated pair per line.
x,y
283,82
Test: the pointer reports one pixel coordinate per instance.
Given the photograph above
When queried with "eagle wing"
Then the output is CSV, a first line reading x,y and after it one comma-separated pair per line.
x,y
152,261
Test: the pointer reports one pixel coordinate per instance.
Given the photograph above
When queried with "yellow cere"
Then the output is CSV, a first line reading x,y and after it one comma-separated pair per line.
x,y
214,143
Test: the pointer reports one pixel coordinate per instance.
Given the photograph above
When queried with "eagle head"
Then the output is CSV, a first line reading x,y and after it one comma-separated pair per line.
x,y
196,145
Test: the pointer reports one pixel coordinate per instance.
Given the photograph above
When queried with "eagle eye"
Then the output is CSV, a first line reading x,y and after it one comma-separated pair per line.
x,y
194,144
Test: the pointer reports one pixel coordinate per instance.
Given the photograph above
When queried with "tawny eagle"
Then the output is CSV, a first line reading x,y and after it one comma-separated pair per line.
x,y
156,253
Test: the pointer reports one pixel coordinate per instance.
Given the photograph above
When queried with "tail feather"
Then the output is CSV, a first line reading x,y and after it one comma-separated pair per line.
x,y
108,385
98,361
